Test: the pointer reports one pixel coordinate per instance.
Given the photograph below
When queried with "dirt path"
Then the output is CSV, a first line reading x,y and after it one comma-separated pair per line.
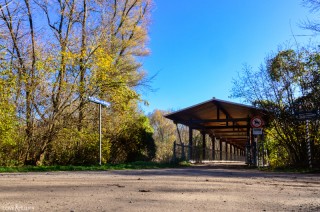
x,y
208,188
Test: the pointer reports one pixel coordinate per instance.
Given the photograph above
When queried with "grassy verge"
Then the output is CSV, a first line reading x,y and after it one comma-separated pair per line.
x,y
105,167
291,169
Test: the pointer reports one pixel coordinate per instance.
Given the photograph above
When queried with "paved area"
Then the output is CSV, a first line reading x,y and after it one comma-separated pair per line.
x,y
214,187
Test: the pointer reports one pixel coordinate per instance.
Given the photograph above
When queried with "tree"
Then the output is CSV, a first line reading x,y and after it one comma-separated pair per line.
x,y
286,79
164,129
164,135
8,121
18,40
130,137
313,6
81,48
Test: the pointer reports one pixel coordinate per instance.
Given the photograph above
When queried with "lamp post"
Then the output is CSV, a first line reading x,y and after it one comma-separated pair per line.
x,y
106,104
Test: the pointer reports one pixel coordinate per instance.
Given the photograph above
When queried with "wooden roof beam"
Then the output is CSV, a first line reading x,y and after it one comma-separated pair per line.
x,y
222,127
218,120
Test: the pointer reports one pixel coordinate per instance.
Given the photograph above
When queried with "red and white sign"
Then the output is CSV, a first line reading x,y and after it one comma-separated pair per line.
x,y
256,122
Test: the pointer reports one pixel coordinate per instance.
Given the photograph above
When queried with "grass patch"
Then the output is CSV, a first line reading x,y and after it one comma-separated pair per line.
x,y
302,170
104,167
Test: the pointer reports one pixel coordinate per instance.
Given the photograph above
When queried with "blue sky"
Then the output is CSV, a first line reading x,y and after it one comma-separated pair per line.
x,y
199,46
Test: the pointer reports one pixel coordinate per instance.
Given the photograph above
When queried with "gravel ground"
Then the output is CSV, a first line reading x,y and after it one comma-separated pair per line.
x,y
202,188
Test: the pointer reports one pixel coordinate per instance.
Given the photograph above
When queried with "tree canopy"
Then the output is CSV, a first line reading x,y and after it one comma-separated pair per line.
x,y
54,55
287,79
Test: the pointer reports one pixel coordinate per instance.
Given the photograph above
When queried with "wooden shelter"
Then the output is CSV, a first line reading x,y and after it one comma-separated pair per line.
x,y
228,122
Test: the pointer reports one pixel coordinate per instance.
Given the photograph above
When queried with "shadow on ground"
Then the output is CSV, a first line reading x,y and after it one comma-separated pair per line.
x,y
224,170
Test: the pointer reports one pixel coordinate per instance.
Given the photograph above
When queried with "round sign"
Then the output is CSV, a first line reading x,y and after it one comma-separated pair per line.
x,y
256,122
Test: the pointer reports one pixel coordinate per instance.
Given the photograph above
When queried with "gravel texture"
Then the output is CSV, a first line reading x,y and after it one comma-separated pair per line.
x,y
212,187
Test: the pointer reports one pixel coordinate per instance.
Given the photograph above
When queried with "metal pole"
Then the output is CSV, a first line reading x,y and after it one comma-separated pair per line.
x,y
308,144
100,133
255,151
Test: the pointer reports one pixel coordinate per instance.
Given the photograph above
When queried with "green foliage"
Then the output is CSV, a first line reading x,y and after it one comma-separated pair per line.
x,y
106,167
8,122
164,135
47,75
130,141
133,142
289,82
285,64
277,155
7,109
74,147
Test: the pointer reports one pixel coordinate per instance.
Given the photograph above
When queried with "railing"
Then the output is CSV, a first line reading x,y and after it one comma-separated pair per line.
x,y
198,154
180,151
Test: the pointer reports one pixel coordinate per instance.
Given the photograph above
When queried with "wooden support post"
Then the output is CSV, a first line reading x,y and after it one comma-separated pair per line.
x,y
231,152
220,148
226,150
213,140
247,153
174,152
203,145
190,144
237,153
183,155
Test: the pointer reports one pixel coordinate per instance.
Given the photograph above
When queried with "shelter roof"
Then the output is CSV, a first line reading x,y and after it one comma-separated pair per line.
x,y
225,120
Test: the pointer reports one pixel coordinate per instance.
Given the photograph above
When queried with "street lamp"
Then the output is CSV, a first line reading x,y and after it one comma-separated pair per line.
x,y
106,104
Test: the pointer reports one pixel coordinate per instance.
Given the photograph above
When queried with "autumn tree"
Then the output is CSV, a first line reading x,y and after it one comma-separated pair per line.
x,y
8,120
277,87
288,78
19,43
80,48
164,135
130,137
